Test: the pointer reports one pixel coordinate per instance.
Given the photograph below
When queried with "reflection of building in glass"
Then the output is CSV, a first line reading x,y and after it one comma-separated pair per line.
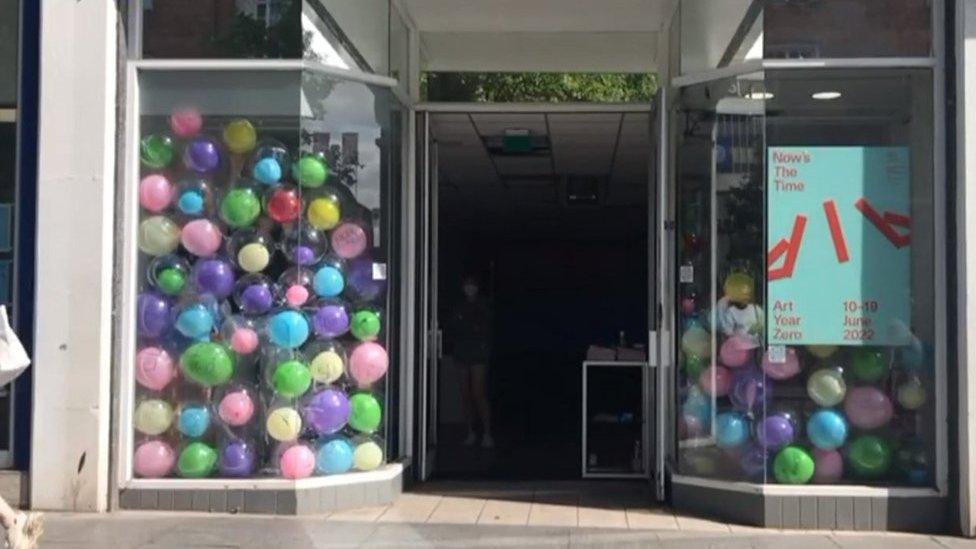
x,y
208,28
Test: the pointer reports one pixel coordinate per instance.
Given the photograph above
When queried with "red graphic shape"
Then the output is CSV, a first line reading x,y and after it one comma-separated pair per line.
x,y
790,247
886,222
836,231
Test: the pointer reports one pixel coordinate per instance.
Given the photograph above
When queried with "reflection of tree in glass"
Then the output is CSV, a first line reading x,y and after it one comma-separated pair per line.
x,y
538,86
250,37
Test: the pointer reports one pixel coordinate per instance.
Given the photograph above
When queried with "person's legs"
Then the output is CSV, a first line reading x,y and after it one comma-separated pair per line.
x,y
467,406
479,393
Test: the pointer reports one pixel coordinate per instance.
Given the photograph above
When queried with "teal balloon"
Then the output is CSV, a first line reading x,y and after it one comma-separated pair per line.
x,y
194,420
334,457
288,329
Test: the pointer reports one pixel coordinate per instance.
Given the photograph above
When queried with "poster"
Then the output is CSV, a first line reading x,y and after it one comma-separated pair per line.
x,y
838,245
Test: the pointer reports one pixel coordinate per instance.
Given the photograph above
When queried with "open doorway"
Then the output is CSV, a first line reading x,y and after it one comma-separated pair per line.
x,y
539,263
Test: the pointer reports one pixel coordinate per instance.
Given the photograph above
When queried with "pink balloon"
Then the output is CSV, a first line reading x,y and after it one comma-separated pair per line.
x,y
153,459
828,466
782,370
368,362
715,380
690,426
297,462
868,407
349,240
154,368
155,192
296,295
236,408
185,122
201,237
244,341
736,351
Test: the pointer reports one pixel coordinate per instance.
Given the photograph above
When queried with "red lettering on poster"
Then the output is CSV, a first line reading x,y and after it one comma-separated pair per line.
x,y
836,231
790,247
886,222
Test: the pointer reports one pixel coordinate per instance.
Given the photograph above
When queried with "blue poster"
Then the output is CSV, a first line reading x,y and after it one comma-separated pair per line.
x,y
838,246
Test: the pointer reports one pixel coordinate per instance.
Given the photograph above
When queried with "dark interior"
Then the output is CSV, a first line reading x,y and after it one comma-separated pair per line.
x,y
556,232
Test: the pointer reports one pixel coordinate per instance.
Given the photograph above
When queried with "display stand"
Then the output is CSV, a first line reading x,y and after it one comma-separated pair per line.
x,y
614,434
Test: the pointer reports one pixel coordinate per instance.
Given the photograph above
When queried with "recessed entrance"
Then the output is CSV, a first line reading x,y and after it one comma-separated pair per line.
x,y
538,263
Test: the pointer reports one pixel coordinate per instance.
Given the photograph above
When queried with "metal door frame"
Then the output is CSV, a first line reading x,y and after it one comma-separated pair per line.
x,y
430,349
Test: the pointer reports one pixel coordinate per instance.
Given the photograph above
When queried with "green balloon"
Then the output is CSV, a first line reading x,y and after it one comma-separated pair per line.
x,y
869,364
364,412
240,207
365,325
291,379
208,363
694,365
170,281
793,465
197,460
311,171
870,456
156,151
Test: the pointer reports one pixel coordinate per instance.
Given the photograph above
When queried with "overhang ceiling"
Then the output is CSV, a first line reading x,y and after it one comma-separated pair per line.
x,y
539,35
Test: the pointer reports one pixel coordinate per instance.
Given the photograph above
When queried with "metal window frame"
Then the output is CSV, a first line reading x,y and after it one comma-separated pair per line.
x,y
936,65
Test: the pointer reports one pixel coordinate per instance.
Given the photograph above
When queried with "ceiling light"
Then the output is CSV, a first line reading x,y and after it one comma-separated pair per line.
x,y
826,95
760,95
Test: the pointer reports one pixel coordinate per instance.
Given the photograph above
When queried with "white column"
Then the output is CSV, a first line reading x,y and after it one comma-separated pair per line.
x,y
966,229
76,175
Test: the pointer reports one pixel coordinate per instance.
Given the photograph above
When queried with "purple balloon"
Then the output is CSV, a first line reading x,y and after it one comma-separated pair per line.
x,y
331,320
237,459
753,460
256,299
201,155
303,255
153,314
750,390
775,431
360,279
215,277
327,411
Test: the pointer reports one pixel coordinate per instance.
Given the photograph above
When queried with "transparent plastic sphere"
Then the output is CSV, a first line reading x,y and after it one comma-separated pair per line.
x,y
361,283
195,197
194,419
330,278
330,318
237,404
327,360
168,274
296,286
368,453
240,206
255,294
270,162
238,458
241,334
324,209
251,250
283,203
311,170
202,154
303,244
196,319
288,328
214,276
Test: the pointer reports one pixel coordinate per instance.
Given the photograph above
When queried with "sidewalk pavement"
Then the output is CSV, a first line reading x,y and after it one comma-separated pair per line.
x,y
123,530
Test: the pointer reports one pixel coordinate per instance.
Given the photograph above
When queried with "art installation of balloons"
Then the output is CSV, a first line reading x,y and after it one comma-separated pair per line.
x,y
260,320
748,411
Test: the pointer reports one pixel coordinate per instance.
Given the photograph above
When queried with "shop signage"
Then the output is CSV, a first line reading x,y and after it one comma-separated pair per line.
x,y
838,245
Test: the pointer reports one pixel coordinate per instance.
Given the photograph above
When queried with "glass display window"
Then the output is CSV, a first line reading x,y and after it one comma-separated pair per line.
x,y
261,312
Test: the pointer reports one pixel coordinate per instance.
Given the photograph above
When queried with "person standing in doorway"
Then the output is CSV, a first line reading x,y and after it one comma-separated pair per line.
x,y
469,337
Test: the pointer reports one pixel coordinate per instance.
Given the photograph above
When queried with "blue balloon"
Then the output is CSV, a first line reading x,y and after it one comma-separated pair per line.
x,y
698,404
195,321
190,202
731,429
194,420
267,171
288,329
335,456
328,281
827,429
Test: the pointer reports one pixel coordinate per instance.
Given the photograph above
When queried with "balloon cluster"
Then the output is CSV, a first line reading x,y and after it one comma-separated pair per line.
x,y
259,327
821,414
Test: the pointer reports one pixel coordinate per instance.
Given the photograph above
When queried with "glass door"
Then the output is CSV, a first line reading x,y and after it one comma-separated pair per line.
x,y
431,339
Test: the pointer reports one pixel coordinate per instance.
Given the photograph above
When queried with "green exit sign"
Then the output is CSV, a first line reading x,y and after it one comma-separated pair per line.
x,y
517,141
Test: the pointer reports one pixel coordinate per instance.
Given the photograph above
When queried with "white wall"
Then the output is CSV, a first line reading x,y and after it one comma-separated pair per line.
x,y
76,177
966,231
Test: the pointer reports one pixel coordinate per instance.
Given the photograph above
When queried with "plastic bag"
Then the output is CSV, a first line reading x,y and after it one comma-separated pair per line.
x,y
13,357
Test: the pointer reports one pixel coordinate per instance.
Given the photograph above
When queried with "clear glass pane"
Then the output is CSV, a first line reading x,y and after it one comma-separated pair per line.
x,y
359,32
851,289
262,315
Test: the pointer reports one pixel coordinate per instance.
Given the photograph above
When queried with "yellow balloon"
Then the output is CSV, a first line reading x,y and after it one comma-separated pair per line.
x,y
153,417
696,341
253,257
367,456
240,136
158,235
822,351
911,394
284,424
324,213
326,367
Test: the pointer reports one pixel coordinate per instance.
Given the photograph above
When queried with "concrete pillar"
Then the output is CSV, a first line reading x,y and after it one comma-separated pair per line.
x,y
75,182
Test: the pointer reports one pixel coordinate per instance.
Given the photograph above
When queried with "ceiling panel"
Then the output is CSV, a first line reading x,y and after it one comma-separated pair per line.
x,y
538,15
